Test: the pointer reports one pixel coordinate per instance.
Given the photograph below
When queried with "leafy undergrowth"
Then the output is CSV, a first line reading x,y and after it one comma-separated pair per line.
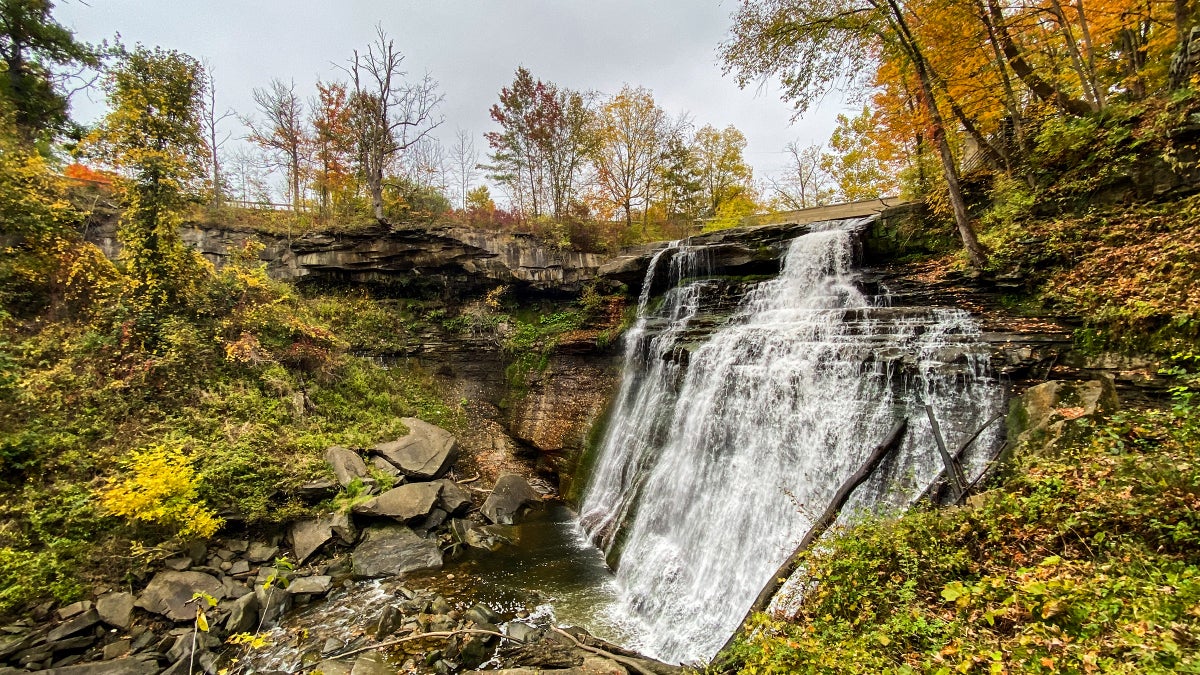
x,y
1132,273
123,432
1084,562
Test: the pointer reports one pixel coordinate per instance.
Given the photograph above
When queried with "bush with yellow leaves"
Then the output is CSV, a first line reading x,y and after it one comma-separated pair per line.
x,y
159,487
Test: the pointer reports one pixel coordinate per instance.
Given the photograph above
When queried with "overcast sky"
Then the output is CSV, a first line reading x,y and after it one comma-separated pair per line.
x,y
472,48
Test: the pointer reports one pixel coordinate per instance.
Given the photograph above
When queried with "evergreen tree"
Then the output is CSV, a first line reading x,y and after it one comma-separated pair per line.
x,y
34,48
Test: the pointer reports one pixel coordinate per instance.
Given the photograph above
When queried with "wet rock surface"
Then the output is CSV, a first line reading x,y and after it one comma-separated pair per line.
x,y
389,550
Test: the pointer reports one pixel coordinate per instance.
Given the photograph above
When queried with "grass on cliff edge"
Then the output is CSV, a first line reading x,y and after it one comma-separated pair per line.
x,y
1085,562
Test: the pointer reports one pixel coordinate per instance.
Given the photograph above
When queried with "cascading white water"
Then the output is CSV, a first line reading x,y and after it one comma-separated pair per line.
x,y
719,455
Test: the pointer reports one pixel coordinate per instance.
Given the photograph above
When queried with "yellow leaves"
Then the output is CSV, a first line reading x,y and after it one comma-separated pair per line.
x,y
252,641
245,349
159,486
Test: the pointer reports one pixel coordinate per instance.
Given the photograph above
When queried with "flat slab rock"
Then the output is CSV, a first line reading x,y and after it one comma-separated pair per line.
x,y
425,453
392,549
318,585
310,535
406,503
128,666
169,592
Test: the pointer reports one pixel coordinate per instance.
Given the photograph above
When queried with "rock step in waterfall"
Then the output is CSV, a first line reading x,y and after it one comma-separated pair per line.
x,y
729,436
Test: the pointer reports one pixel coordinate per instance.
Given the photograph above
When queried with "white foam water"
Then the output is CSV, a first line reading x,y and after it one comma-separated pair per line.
x,y
721,451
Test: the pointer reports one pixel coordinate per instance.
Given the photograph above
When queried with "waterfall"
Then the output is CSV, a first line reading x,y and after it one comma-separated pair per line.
x,y
730,436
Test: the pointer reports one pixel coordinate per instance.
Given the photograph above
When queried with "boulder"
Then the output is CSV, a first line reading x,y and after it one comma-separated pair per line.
x,y
170,592
318,585
117,649
388,550
425,453
308,536
372,664
454,500
510,499
522,632
1041,415
343,528
481,613
243,614
261,552
334,667
347,466
115,608
406,503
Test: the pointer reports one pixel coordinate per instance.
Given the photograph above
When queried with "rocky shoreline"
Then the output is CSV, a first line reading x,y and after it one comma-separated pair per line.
x,y
211,606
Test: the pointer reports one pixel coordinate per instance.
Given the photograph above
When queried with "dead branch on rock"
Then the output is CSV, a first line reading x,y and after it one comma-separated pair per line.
x,y
421,636
623,660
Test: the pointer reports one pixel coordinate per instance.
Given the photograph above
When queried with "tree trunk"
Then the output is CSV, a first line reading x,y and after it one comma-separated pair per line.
x,y
822,524
975,253
1010,97
1025,72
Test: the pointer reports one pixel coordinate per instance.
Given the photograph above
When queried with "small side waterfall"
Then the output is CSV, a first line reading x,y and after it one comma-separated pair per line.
x,y
729,438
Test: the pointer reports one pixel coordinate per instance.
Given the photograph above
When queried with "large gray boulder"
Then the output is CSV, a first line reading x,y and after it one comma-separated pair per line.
x,y
510,499
425,453
169,593
454,500
347,466
115,608
310,535
406,503
392,549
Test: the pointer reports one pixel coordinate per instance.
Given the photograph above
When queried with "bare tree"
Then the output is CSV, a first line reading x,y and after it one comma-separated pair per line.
x,y
213,137
246,176
284,131
806,184
426,166
464,162
391,114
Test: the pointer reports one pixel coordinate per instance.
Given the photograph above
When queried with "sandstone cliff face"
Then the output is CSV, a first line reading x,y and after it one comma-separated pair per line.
x,y
456,259
561,404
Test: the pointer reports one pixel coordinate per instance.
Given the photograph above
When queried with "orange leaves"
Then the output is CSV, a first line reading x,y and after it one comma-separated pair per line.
x,y
79,171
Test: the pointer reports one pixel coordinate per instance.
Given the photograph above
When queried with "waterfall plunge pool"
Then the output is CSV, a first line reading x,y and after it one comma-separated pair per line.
x,y
550,573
